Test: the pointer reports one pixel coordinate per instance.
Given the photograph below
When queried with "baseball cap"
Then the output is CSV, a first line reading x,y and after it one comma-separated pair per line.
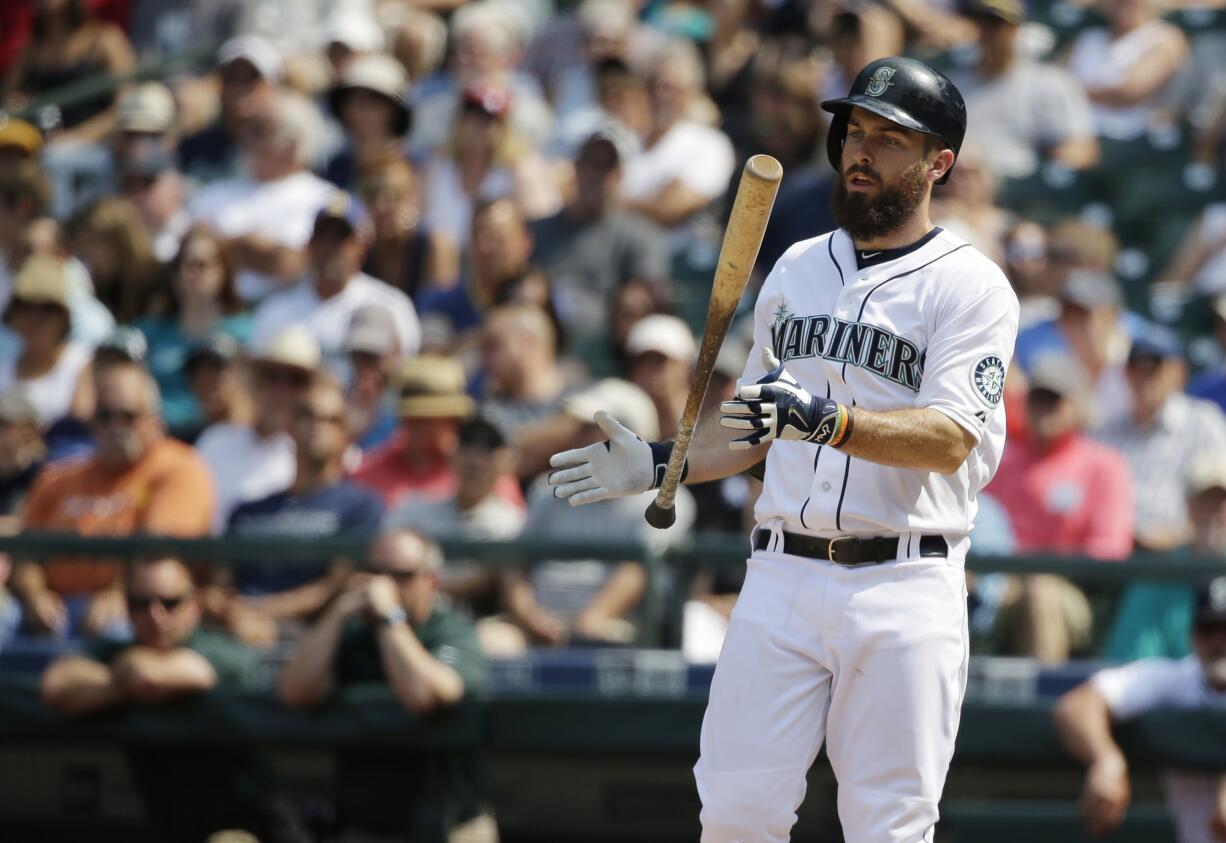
x,y
619,398
1208,471
295,347
372,330
384,76
344,207
624,142
149,107
218,347
494,100
1059,375
1148,338
664,334
42,279
434,386
19,134
1091,290
359,32
1010,11
256,51
1211,602
16,408
126,343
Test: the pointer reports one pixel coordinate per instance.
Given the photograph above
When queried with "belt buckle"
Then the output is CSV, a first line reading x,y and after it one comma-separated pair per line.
x,y
831,546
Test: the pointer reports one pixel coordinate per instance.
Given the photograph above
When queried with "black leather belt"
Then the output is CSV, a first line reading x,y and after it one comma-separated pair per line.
x,y
849,550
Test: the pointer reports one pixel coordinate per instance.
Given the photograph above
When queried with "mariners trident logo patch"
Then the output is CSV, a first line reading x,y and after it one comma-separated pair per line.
x,y
988,378
880,81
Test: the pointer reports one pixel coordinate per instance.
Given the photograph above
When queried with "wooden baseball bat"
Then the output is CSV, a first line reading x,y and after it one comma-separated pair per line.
x,y
750,211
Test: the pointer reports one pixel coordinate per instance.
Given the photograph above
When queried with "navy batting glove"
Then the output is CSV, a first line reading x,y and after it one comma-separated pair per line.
x,y
777,407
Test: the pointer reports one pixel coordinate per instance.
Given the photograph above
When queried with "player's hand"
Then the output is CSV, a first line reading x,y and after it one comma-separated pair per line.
x,y
620,467
1106,795
777,407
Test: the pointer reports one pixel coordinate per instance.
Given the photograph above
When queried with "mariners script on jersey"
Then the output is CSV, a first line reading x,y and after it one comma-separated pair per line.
x,y
933,328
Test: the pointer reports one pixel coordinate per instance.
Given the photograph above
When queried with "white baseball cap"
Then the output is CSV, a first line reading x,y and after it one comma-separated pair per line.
x,y
259,52
664,334
295,347
622,400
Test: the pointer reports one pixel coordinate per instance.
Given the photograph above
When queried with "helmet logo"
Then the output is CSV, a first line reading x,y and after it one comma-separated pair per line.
x,y
880,81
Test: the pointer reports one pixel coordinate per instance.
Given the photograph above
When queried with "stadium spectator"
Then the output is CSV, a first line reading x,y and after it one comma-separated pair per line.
x,y
1091,331
592,246
1021,113
266,214
147,120
200,301
109,238
524,382
390,626
1200,260
69,44
966,204
1211,383
352,34
483,455
336,287
1086,716
554,603
497,270
399,251
685,164
1127,65
318,503
137,481
20,142
215,377
369,100
49,367
148,179
249,462
23,452
486,40
859,34
374,357
249,69
1153,617
660,353
417,460
1064,493
485,159
170,659
1163,436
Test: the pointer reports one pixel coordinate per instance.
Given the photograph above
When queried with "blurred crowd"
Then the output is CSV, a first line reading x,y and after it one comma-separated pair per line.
x,y
312,268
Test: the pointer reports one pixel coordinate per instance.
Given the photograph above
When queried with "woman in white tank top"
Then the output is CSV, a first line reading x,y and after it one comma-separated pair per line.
x,y
1126,66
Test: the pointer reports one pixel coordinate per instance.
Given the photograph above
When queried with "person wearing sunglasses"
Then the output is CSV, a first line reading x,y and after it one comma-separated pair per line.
x,y
138,481
391,626
1163,436
171,658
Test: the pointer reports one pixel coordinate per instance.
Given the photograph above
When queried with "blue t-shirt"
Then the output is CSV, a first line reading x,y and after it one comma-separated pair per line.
x,y
169,348
1045,339
1211,386
337,510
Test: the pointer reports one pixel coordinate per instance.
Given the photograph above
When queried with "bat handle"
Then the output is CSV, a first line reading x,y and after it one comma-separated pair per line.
x,y
660,517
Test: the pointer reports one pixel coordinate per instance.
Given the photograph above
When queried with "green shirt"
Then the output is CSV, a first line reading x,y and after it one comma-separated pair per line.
x,y
234,663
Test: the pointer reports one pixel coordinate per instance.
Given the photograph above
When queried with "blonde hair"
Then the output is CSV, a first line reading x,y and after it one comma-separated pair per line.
x,y
115,221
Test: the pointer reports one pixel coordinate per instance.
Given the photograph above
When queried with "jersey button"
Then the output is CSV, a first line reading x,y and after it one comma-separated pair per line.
x,y
826,486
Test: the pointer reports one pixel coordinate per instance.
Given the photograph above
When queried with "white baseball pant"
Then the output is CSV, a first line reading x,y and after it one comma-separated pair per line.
x,y
870,659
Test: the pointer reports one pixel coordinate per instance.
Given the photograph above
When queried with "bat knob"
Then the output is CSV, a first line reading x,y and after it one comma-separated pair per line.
x,y
659,517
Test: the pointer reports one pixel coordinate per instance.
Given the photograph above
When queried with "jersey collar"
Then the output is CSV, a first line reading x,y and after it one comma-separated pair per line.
x,y
865,259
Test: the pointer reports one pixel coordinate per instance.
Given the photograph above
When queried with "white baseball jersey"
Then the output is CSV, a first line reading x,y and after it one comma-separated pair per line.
x,y
933,327
1142,686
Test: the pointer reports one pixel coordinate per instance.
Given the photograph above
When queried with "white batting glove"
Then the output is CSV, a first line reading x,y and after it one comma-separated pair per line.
x,y
777,407
621,467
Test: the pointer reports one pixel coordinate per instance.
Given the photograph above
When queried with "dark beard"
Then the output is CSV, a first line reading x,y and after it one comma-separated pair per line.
x,y
868,218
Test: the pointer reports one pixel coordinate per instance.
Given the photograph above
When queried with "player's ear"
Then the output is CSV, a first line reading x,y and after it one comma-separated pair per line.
x,y
941,164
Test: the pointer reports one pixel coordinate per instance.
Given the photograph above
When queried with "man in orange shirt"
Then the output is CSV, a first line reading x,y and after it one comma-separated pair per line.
x,y
137,481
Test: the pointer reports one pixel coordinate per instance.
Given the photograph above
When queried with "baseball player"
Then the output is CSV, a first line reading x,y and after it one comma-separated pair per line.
x,y
875,400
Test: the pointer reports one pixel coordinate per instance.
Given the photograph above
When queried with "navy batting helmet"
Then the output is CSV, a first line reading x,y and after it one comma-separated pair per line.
x,y
903,91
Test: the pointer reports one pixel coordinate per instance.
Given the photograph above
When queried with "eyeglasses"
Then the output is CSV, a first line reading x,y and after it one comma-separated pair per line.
x,y
1144,363
143,603
308,414
403,577
112,415
277,376
1041,398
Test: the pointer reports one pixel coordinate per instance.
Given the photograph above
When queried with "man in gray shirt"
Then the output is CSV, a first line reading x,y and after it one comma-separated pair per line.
x,y
591,247
1022,112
